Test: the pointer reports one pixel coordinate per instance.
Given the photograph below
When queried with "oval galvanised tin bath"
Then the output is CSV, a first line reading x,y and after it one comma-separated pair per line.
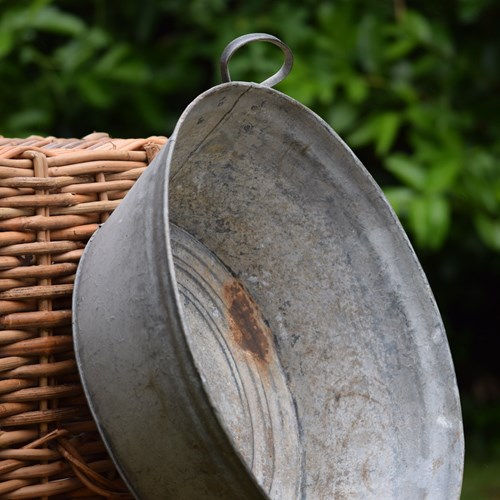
x,y
252,322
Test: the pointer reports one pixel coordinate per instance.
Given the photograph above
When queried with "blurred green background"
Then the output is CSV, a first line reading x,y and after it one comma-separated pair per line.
x,y
412,87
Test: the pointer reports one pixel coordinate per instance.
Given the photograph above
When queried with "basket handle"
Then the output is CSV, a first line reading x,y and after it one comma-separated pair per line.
x,y
239,42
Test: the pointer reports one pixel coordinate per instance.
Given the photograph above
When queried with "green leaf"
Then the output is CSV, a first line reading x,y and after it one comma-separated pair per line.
x,y
78,51
418,26
120,64
342,116
112,58
429,220
93,91
53,20
399,48
6,41
364,134
407,170
405,91
489,230
442,175
380,129
356,89
388,128
419,115
369,43
134,72
400,198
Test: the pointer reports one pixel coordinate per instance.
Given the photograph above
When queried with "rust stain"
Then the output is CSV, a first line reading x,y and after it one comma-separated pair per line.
x,y
245,321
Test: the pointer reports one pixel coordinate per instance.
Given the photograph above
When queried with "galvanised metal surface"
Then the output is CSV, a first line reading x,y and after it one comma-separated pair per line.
x,y
252,322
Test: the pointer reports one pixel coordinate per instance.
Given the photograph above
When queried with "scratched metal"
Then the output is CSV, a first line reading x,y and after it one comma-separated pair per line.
x,y
252,322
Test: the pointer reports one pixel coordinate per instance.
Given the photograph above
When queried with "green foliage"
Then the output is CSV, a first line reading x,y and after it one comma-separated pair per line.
x,y
413,90
396,84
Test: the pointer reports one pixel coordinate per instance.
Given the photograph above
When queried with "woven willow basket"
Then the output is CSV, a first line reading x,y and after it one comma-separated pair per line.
x,y
54,193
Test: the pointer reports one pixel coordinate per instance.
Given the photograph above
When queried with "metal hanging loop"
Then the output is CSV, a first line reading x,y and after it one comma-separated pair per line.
x,y
237,43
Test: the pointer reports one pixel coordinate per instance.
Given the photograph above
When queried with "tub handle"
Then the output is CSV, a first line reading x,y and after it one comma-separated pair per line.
x,y
233,46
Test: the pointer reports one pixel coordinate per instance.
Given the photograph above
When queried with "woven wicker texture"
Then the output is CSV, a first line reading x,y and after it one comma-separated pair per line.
x,y
54,193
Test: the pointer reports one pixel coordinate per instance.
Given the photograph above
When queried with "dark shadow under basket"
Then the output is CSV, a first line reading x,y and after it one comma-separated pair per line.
x,y
54,193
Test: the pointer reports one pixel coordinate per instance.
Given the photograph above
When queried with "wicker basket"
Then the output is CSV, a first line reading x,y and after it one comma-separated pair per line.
x,y
54,193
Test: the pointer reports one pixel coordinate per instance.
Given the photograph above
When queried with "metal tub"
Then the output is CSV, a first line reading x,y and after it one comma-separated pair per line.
x,y
252,321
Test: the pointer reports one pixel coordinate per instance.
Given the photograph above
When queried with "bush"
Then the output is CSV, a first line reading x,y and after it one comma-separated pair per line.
x,y
413,91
